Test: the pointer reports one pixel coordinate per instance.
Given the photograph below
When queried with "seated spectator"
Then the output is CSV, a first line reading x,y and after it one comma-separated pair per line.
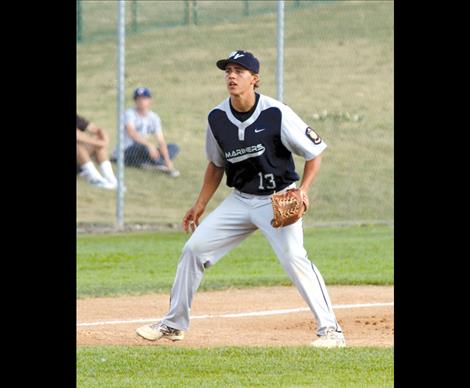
x,y
139,150
92,142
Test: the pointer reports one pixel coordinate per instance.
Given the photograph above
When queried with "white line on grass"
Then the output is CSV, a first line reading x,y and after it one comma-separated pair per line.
x,y
237,315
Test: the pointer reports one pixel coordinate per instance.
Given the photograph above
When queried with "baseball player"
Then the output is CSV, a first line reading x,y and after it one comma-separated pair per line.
x,y
250,137
141,123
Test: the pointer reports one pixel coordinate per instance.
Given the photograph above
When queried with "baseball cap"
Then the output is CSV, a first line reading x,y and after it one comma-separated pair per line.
x,y
242,58
142,92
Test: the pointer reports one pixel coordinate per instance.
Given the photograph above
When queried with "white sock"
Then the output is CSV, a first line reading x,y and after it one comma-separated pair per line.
x,y
107,171
89,172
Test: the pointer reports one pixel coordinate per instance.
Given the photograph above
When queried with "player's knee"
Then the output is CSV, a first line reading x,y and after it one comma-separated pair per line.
x,y
194,251
193,246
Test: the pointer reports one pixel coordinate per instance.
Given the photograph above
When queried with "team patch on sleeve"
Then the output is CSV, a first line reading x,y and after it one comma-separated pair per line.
x,y
313,136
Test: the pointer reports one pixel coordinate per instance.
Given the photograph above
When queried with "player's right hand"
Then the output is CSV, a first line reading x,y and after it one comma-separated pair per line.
x,y
153,152
191,219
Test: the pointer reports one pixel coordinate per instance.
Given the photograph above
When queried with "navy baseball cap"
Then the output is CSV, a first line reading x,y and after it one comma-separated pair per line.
x,y
142,92
242,58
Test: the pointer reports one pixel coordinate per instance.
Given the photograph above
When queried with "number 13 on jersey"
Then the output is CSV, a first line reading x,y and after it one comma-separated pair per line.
x,y
266,179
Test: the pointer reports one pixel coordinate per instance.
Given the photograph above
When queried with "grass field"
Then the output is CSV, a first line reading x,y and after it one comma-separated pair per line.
x,y
146,262
338,60
155,366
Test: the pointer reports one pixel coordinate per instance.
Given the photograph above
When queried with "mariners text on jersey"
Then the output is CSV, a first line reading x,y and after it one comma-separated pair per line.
x,y
257,153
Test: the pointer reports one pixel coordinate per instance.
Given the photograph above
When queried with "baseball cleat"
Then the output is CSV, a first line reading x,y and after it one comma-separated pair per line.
x,y
332,339
159,330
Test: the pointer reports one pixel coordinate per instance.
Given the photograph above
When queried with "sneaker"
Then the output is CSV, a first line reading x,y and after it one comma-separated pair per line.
x,y
174,173
102,184
162,168
98,181
159,330
332,339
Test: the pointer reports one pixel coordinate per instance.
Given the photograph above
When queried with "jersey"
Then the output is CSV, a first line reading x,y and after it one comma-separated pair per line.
x,y
145,125
257,153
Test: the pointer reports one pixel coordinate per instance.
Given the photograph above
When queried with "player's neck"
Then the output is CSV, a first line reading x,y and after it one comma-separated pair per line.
x,y
142,112
243,102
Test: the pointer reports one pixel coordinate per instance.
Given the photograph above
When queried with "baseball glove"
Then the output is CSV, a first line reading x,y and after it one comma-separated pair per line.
x,y
288,207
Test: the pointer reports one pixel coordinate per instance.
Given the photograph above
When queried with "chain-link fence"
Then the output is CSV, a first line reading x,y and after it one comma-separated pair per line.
x,y
338,76
97,19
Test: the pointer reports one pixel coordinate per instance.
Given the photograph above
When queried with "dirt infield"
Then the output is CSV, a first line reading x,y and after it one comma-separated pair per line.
x,y
363,326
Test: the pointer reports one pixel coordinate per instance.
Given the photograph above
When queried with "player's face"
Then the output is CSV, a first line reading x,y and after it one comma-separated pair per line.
x,y
238,79
143,103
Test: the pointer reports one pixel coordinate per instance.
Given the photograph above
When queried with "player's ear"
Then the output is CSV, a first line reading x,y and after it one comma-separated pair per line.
x,y
255,78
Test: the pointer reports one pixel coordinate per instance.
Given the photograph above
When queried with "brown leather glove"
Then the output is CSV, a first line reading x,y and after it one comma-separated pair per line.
x,y
288,207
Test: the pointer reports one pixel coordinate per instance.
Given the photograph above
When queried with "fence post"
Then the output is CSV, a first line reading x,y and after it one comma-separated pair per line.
x,y
79,21
121,29
134,25
195,12
246,8
280,50
187,12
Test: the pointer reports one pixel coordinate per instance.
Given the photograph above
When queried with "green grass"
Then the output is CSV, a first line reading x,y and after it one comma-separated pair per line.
x,y
154,366
136,263
338,58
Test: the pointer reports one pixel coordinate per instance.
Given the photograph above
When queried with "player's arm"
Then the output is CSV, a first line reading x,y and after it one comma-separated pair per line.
x,y
212,179
82,137
137,137
99,132
302,140
164,150
311,169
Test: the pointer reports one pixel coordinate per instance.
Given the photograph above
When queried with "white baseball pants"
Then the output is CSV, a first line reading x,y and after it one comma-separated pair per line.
x,y
227,226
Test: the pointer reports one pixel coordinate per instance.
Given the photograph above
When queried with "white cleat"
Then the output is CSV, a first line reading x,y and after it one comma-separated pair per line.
x,y
332,339
159,330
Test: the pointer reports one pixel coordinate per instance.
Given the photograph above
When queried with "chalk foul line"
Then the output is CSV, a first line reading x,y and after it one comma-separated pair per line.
x,y
235,315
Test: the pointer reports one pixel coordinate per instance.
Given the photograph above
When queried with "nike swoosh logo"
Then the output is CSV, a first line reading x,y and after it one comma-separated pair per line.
x,y
259,130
